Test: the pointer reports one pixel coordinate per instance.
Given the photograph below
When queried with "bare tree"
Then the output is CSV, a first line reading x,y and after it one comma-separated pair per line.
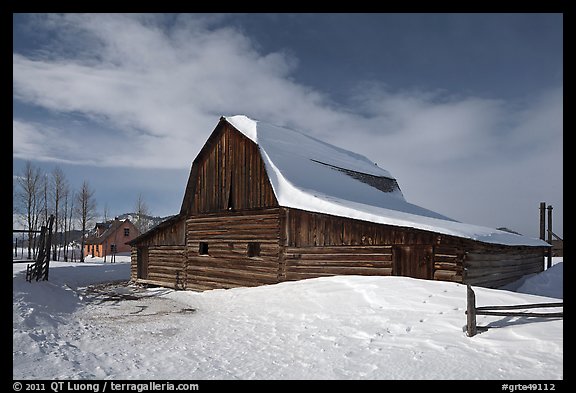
x,y
58,186
64,223
30,198
86,210
106,212
142,212
44,195
70,227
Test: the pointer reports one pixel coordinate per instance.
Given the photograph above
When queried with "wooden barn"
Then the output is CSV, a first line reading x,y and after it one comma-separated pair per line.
x,y
266,204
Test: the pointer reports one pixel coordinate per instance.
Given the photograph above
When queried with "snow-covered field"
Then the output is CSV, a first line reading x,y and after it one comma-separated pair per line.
x,y
345,327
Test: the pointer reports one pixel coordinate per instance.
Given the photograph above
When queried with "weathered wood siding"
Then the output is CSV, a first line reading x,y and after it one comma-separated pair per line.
x,y
323,245
319,245
229,174
168,233
166,266
497,266
306,229
133,264
227,236
232,232
309,262
483,264
166,257
413,261
448,258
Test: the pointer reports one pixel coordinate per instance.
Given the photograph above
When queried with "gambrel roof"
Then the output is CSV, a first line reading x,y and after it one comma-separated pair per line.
x,y
308,174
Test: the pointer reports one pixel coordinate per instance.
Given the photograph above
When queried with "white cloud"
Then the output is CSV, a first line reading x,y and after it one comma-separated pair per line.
x,y
162,89
172,85
35,141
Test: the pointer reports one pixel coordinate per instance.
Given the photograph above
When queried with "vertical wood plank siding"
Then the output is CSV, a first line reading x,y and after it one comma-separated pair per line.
x,y
230,172
308,229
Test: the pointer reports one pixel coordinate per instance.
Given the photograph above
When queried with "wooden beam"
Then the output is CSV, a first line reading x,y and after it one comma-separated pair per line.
x,y
520,306
521,314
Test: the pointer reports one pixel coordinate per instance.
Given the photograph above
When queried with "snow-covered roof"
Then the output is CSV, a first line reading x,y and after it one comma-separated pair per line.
x,y
312,175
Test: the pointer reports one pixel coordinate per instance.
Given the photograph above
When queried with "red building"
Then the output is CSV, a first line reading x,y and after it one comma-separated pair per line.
x,y
110,237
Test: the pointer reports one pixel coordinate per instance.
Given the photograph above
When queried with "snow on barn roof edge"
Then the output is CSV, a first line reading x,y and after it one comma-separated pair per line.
x,y
308,174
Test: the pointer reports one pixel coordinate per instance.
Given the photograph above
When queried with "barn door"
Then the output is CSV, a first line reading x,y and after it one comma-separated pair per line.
x,y
413,261
142,262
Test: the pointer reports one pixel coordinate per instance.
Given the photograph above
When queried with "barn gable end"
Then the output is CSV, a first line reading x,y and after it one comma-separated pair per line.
x,y
227,175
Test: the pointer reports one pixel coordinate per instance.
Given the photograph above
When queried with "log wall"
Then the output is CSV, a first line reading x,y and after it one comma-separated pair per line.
x,y
293,244
166,245
448,262
166,266
309,262
133,264
496,267
323,245
227,263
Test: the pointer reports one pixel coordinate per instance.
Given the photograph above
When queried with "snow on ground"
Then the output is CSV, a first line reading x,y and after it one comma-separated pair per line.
x,y
548,284
344,327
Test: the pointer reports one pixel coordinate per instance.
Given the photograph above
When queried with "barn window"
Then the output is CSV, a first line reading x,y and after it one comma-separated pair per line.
x,y
112,248
126,231
203,248
253,250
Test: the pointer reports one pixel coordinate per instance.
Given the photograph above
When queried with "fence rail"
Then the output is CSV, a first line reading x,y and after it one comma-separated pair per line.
x,y
472,311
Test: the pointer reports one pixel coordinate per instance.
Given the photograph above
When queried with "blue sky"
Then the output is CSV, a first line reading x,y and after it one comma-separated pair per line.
x,y
465,110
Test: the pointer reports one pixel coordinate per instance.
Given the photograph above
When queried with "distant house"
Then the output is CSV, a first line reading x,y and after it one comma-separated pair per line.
x,y
266,204
110,237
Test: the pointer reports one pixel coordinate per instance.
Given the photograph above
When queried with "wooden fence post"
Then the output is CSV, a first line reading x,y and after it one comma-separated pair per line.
x,y
549,264
470,312
46,264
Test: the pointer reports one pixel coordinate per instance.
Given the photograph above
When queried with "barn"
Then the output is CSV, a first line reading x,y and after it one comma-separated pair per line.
x,y
266,204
